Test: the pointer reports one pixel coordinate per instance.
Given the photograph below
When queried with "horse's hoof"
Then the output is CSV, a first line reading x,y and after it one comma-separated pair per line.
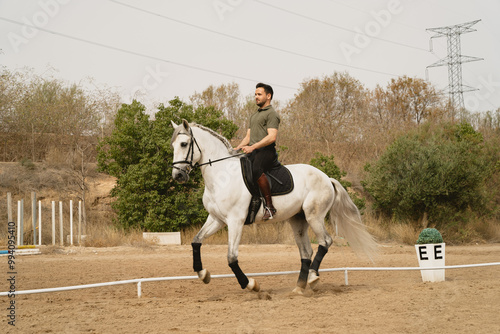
x,y
253,285
204,275
313,279
298,290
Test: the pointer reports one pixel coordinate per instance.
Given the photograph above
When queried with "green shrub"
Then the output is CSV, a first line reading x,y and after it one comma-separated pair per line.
x,y
441,171
429,236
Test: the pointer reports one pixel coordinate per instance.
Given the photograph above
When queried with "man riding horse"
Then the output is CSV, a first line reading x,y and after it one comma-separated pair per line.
x,y
260,143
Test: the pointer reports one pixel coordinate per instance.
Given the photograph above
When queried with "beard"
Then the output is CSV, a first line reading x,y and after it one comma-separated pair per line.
x,y
260,104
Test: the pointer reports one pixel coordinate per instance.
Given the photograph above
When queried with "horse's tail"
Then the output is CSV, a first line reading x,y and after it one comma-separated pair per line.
x,y
346,216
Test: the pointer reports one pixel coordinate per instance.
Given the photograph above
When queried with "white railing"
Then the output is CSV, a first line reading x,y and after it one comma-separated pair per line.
x,y
139,281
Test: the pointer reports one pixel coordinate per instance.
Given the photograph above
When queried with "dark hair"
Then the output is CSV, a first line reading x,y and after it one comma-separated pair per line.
x,y
268,89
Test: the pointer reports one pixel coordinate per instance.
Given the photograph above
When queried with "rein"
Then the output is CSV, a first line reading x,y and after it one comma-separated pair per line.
x,y
191,152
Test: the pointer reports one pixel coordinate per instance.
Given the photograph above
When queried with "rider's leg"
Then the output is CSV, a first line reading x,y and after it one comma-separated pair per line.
x,y
265,188
262,161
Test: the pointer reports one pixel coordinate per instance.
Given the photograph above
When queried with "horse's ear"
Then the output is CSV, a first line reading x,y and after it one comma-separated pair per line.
x,y
174,125
186,124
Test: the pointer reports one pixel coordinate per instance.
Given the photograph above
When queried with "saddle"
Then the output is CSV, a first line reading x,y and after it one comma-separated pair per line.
x,y
280,180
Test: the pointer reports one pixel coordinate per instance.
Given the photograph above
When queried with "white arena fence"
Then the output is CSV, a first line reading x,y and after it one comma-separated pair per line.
x,y
139,281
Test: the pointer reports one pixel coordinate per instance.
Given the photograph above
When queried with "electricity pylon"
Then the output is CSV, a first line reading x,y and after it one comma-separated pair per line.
x,y
454,60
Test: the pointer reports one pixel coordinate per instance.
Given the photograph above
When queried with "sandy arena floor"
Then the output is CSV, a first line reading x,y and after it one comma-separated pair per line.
x,y
373,302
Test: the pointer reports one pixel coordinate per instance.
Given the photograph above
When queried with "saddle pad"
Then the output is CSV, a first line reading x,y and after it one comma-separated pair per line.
x,y
280,179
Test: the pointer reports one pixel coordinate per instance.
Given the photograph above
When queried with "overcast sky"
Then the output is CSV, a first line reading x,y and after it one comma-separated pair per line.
x,y
160,49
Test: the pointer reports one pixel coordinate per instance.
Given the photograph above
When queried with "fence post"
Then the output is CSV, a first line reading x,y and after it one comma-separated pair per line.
x,y
9,207
79,223
18,223
22,222
61,239
71,222
53,223
39,223
33,215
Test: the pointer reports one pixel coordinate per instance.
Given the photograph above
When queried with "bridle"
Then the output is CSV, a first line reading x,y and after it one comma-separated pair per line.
x,y
190,154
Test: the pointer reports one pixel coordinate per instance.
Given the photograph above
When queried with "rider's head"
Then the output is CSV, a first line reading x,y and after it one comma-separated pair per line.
x,y
263,94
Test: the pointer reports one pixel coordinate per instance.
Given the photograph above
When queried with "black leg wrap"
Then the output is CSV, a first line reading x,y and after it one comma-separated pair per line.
x,y
240,276
304,272
318,258
196,257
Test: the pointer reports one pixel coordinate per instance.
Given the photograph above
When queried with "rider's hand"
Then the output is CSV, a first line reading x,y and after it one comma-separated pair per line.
x,y
248,149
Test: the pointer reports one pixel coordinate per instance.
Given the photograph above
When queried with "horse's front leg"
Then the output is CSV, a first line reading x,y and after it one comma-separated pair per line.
x,y
210,227
235,230
299,226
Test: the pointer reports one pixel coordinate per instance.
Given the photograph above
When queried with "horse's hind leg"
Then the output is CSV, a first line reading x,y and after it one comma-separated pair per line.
x,y
299,226
210,227
324,242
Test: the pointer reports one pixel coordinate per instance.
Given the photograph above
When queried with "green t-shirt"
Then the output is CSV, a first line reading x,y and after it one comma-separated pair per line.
x,y
263,119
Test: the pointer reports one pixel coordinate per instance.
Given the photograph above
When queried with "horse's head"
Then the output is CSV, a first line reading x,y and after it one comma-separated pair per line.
x,y
186,151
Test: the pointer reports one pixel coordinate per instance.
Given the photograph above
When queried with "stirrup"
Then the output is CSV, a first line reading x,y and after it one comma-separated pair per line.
x,y
268,213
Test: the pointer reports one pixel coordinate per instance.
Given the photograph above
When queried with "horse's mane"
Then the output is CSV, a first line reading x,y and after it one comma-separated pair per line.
x,y
212,132
216,135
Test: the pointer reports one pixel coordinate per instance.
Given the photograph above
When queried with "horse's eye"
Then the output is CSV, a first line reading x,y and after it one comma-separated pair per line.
x,y
184,144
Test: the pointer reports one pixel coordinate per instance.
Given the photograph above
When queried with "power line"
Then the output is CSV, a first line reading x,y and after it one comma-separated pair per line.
x,y
336,26
114,48
249,41
367,12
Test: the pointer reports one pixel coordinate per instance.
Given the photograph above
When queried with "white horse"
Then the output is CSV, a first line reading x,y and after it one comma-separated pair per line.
x,y
227,199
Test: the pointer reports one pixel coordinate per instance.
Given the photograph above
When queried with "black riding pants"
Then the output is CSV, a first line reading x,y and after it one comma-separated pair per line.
x,y
262,160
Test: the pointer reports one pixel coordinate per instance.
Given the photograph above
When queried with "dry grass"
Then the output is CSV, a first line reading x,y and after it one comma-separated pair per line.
x,y
268,233
478,231
109,236
262,233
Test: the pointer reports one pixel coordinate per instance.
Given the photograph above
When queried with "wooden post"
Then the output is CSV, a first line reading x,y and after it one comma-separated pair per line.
x,y
71,222
9,207
61,239
33,215
18,223
53,223
22,223
39,223
79,223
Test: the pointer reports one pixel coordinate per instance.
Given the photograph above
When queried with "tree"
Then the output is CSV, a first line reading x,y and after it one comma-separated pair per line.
x,y
225,98
437,172
126,144
42,113
138,152
323,107
410,99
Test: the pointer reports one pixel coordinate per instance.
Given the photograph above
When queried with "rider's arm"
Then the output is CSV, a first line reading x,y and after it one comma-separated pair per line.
x,y
244,142
272,134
